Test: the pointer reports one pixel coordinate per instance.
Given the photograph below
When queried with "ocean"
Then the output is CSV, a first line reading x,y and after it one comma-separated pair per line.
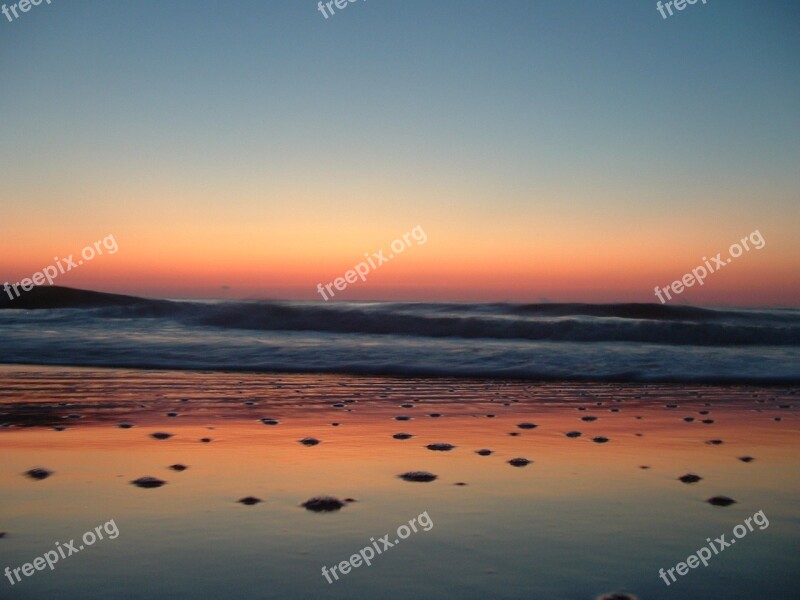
x,y
568,342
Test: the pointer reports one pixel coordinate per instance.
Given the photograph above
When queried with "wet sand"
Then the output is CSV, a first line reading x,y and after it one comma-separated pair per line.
x,y
589,514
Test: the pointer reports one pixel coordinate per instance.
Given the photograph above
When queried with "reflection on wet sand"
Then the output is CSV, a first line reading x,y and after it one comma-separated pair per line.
x,y
581,518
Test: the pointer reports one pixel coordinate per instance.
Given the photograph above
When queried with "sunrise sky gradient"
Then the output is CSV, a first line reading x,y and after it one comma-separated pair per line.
x,y
550,149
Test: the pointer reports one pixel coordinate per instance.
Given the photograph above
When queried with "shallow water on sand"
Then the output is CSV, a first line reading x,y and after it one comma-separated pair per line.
x,y
582,519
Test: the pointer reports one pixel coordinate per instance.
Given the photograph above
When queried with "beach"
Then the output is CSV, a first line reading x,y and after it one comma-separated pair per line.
x,y
494,303
592,514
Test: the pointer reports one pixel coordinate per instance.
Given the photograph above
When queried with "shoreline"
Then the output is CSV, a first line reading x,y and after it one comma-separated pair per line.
x,y
576,466
363,374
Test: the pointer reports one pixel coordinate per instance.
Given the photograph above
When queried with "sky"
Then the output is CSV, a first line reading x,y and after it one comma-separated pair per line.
x,y
551,150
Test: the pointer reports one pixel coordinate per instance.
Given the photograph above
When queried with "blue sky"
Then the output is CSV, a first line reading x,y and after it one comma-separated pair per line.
x,y
403,111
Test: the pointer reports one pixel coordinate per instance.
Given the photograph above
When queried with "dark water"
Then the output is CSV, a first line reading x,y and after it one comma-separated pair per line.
x,y
624,342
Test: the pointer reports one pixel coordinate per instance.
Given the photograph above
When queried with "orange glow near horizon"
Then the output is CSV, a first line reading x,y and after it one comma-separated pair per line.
x,y
465,258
